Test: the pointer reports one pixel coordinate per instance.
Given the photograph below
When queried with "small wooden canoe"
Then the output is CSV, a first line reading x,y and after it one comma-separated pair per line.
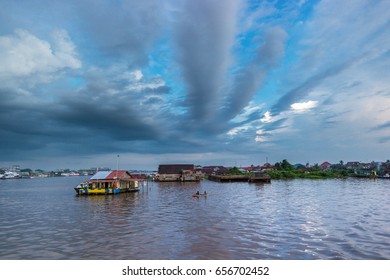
x,y
200,195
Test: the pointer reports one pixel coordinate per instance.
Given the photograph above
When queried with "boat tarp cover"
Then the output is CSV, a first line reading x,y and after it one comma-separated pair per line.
x,y
100,175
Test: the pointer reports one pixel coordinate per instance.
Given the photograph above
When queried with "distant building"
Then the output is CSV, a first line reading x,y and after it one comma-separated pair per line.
x,y
300,166
268,166
174,168
177,172
352,165
325,165
252,169
213,170
15,168
385,168
139,176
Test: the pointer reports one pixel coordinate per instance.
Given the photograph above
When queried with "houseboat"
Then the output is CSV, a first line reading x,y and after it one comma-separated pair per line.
x,y
109,182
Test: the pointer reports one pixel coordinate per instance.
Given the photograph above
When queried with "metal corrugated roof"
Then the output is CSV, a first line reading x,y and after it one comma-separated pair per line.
x,y
100,175
174,168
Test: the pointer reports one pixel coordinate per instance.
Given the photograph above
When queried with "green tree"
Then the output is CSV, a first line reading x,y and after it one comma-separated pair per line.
x,y
315,167
26,170
286,165
234,171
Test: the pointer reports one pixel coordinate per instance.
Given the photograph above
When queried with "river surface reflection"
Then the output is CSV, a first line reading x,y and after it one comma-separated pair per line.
x,y
297,219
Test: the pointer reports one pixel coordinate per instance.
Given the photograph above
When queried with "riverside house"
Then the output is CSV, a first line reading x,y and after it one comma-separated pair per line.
x,y
177,172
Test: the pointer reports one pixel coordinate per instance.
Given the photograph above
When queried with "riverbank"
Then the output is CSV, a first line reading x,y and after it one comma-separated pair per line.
x,y
300,174
251,178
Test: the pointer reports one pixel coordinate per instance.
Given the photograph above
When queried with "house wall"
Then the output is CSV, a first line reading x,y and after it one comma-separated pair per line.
x,y
186,176
168,177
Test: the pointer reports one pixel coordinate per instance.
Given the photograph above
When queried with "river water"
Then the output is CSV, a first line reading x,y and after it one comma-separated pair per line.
x,y
297,219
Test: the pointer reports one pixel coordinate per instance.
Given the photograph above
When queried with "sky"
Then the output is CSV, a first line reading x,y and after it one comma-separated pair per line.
x,y
207,82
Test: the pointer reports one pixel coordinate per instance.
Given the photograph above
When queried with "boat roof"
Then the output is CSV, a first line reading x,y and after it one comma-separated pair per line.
x,y
110,176
100,175
111,180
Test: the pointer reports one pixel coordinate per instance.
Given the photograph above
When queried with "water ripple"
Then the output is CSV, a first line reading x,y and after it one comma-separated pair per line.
x,y
299,219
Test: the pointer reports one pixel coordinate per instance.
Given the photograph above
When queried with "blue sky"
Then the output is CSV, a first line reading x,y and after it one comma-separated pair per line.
x,y
204,82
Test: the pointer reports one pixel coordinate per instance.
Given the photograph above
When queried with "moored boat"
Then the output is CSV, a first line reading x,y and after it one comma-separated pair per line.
x,y
109,182
386,176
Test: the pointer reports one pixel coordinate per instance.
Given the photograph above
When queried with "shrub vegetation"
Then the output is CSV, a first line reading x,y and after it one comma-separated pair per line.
x,y
285,170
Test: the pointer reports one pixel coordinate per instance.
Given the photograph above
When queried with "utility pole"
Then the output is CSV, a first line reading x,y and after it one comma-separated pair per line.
x,y
117,166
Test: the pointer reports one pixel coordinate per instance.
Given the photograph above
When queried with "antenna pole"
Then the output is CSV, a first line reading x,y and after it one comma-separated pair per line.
x,y
117,166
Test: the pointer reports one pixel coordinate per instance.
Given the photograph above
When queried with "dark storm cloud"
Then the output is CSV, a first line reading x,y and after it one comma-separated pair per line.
x,y
204,32
123,29
75,120
24,126
108,118
382,126
153,100
249,78
157,90
106,107
119,30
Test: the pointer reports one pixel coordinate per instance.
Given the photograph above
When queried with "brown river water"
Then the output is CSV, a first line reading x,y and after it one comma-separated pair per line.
x,y
296,219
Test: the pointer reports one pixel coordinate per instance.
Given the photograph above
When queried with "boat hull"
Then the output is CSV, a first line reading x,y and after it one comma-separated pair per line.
x,y
199,195
89,191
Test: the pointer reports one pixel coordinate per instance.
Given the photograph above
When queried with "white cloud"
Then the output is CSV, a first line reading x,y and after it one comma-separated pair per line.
x,y
131,76
232,132
117,79
65,50
260,138
260,131
239,129
138,75
304,106
247,112
267,117
24,54
154,83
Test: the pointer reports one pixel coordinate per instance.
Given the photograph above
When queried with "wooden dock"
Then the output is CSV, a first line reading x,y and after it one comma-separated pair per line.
x,y
264,178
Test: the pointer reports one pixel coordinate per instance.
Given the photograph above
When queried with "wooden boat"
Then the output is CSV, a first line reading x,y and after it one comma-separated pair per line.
x,y
84,189
109,182
200,195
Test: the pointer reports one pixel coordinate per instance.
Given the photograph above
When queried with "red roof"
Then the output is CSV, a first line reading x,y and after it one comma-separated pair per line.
x,y
139,176
110,180
252,168
117,174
